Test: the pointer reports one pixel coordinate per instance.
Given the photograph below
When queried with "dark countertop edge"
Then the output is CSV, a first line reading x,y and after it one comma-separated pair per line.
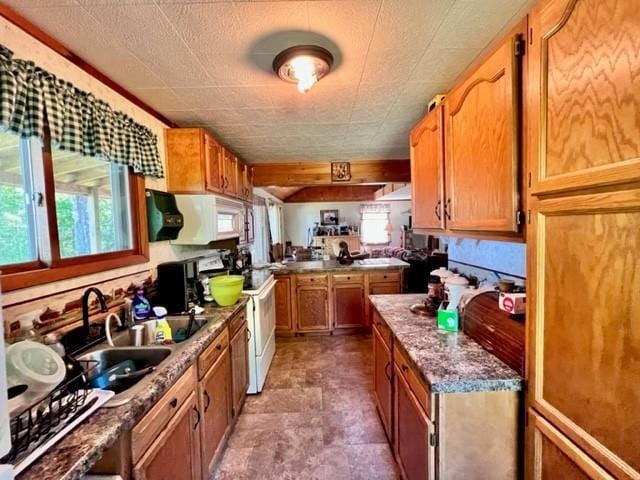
x,y
464,386
123,418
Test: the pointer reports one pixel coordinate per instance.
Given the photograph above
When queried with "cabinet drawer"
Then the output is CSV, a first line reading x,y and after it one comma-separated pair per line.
x,y
237,322
312,279
348,278
212,352
382,328
379,277
418,387
146,431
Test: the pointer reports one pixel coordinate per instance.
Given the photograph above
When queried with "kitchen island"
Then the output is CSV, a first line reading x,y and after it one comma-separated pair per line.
x,y
448,406
326,297
109,437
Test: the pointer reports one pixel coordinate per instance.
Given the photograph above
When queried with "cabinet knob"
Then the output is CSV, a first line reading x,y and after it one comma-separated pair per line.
x,y
219,347
348,278
173,403
404,368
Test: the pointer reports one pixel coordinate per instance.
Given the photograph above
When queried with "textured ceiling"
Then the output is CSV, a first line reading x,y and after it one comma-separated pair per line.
x,y
207,63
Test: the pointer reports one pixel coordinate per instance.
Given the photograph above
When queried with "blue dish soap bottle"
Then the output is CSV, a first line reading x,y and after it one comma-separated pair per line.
x,y
141,307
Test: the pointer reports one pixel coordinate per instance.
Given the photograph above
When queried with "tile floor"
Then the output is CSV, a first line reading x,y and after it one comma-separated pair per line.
x,y
315,418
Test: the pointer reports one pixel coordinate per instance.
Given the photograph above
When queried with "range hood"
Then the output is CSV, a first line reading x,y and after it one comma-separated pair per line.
x,y
208,218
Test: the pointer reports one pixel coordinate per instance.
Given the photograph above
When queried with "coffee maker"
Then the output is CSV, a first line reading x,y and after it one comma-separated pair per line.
x,y
178,287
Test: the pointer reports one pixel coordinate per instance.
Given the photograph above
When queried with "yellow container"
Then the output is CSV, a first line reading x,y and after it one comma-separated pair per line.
x,y
226,290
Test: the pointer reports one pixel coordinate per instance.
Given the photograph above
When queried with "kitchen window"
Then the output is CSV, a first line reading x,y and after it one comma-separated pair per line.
x,y
375,223
64,214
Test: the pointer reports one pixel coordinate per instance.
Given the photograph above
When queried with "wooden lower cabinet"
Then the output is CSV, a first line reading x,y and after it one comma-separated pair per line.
x,y
176,451
239,368
348,301
215,402
383,381
313,308
414,433
284,309
555,456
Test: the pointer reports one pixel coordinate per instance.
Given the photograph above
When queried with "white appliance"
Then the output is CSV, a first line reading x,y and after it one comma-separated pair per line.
x,y
6,471
261,317
208,218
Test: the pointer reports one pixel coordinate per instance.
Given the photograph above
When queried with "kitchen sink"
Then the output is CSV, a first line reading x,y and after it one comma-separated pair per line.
x,y
142,357
183,327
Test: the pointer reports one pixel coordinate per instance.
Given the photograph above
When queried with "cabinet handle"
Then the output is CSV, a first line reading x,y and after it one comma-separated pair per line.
x,y
386,371
437,209
219,347
248,334
447,209
208,399
221,181
404,368
173,403
195,409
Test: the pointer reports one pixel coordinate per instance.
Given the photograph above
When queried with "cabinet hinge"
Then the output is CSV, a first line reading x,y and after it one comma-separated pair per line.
x,y
432,439
518,48
520,217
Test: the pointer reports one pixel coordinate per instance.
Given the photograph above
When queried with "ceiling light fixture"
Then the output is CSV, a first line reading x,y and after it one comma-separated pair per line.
x,y
303,64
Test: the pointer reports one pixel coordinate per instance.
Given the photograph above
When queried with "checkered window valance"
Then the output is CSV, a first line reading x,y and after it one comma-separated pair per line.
x,y
31,98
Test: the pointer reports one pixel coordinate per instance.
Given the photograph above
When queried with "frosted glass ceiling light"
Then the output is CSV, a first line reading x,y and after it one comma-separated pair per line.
x,y
303,64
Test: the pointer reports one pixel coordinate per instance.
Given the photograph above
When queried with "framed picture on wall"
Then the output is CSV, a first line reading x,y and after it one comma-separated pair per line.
x,y
328,217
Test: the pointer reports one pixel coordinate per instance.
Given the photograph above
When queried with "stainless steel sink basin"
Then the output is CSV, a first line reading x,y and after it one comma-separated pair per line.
x,y
183,327
142,357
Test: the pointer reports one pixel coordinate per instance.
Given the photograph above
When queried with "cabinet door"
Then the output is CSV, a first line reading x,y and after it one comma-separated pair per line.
x,y
382,381
413,429
215,396
584,257
427,163
555,456
348,301
284,312
185,160
482,142
176,451
250,223
213,165
313,308
249,183
584,101
239,368
230,173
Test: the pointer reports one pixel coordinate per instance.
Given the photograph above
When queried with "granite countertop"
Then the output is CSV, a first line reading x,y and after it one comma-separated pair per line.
x,y
333,265
78,451
449,362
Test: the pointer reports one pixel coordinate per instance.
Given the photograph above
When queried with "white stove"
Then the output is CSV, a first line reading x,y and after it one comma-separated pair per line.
x,y
261,317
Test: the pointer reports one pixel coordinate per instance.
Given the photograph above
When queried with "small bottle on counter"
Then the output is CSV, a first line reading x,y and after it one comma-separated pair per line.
x,y
141,307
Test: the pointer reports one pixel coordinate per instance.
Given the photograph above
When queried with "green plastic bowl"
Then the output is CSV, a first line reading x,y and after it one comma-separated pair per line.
x,y
226,290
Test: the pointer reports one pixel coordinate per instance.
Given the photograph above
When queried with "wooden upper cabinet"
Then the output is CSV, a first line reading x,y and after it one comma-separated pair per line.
x,y
585,94
186,154
482,123
213,165
230,172
427,163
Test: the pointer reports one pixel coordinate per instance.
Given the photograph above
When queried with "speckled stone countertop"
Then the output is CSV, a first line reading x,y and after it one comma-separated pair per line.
x,y
334,266
448,361
77,452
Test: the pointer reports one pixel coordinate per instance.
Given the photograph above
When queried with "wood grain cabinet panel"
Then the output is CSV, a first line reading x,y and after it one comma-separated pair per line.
x,y
348,304
556,457
213,165
584,259
585,98
383,381
176,451
215,404
230,173
185,149
312,308
284,310
413,430
482,124
239,368
427,165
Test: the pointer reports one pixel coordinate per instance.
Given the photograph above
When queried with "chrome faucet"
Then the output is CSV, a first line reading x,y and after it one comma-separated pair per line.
x,y
85,308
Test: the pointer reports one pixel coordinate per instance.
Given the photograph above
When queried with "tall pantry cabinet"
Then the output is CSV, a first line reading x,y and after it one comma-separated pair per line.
x,y
583,244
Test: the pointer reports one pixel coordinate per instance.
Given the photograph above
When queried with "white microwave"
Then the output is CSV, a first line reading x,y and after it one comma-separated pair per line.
x,y
208,218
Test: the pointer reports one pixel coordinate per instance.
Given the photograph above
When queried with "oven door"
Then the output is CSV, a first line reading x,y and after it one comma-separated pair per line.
x,y
264,317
